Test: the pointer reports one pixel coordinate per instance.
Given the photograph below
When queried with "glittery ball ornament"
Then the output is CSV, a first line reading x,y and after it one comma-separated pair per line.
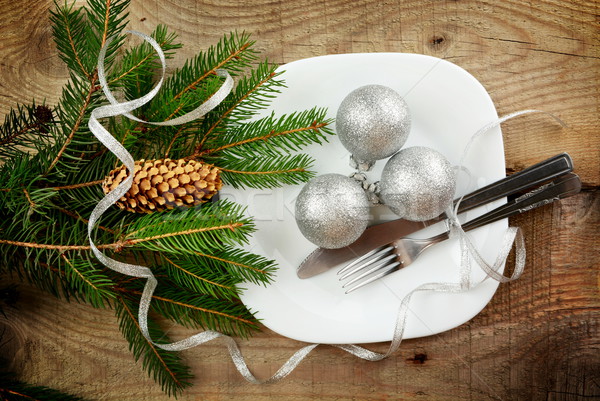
x,y
417,183
373,122
332,211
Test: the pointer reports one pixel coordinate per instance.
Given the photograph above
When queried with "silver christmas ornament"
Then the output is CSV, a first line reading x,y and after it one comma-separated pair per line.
x,y
332,211
373,123
417,183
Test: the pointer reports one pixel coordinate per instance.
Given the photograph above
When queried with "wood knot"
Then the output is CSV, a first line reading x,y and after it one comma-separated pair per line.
x,y
419,358
438,42
8,297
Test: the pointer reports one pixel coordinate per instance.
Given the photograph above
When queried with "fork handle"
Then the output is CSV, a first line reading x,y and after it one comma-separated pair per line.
x,y
564,186
517,182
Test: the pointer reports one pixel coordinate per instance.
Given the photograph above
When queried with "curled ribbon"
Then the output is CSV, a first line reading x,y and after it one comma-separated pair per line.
x,y
115,108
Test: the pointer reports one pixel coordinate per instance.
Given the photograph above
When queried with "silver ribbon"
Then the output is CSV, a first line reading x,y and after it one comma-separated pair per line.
x,y
115,108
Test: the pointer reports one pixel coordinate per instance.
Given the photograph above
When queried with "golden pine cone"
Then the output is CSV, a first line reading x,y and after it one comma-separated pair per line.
x,y
165,184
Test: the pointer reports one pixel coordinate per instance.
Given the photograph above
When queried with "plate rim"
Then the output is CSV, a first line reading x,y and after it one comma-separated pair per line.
x,y
436,61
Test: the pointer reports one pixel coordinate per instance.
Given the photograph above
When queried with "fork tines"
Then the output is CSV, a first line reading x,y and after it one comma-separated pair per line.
x,y
380,263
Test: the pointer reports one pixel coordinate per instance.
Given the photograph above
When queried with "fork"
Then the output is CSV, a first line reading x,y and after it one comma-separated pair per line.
x,y
402,252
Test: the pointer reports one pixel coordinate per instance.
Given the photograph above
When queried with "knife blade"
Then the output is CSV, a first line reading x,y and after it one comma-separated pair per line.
x,y
322,259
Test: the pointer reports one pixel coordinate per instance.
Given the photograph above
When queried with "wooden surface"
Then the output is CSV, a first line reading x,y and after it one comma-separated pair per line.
x,y
538,339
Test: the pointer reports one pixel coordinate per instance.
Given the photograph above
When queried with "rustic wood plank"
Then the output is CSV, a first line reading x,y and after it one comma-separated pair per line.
x,y
537,339
543,56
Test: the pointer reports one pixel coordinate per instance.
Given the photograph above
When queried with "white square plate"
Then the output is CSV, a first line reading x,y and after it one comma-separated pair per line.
x,y
448,106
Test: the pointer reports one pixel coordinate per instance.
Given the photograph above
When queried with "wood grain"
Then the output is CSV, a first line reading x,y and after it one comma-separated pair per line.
x,y
538,339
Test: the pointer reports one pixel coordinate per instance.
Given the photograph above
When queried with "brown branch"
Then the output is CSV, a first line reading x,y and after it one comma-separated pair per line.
x,y
72,43
171,301
116,245
78,272
106,19
82,111
22,131
228,111
7,391
232,227
266,137
195,275
162,361
173,141
80,185
74,186
230,262
262,172
119,244
78,217
31,203
161,44
209,72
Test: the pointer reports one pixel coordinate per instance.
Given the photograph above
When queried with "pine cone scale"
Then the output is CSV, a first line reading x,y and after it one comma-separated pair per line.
x,y
165,184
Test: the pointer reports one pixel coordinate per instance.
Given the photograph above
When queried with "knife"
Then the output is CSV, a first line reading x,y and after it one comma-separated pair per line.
x,y
322,260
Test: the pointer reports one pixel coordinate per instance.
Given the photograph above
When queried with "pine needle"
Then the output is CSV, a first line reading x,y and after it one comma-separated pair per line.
x,y
52,167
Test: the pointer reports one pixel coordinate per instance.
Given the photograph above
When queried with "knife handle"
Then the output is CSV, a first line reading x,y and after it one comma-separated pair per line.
x,y
514,183
561,187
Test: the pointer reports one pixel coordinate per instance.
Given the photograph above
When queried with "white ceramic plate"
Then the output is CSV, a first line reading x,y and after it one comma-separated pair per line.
x,y
448,106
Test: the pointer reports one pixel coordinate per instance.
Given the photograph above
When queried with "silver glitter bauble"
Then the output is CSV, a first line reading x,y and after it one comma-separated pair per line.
x,y
373,122
332,211
417,183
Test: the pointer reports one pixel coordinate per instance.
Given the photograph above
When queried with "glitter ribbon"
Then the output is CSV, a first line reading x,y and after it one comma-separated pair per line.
x,y
115,108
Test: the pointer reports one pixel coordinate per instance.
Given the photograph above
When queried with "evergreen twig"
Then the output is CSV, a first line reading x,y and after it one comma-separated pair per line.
x,y
15,390
51,168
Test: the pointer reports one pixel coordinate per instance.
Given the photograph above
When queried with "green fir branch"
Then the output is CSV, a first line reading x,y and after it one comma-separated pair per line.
x,y
79,35
139,64
233,53
252,94
52,167
197,311
269,171
239,264
15,390
220,274
271,135
187,88
24,130
186,273
260,154
42,275
72,138
105,20
90,284
68,28
190,230
166,368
